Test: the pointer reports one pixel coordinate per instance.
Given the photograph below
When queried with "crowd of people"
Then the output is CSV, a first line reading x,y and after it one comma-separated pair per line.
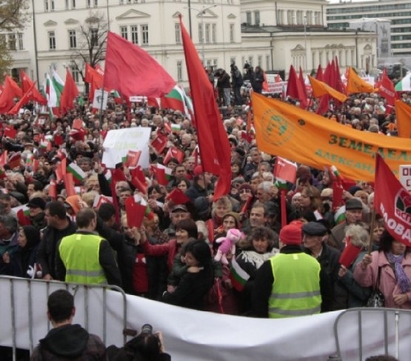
x,y
172,256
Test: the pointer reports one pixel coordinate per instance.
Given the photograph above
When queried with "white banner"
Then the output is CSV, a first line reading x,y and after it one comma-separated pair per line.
x,y
202,336
119,141
100,99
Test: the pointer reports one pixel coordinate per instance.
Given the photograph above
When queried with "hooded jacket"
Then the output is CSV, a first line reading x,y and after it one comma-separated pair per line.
x,y
69,342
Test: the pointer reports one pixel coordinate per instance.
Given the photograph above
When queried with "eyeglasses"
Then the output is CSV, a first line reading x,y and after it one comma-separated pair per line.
x,y
245,191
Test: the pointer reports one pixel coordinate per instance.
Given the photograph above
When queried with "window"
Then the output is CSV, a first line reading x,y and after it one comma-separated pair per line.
x,y
179,71
177,33
72,39
257,17
267,62
207,33
73,4
94,37
299,17
280,17
144,34
88,3
248,15
121,2
260,60
231,33
75,73
52,5
232,60
290,17
250,60
134,34
21,47
214,33
52,40
95,2
200,33
124,32
12,41
46,5
67,4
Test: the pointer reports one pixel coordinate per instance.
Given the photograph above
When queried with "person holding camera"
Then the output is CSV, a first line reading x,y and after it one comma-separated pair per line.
x,y
146,346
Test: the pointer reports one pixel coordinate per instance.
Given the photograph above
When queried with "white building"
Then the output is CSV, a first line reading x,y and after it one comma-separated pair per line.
x,y
272,35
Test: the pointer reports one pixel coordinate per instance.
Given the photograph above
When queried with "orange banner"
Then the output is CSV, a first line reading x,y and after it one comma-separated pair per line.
x,y
307,138
357,85
320,88
403,112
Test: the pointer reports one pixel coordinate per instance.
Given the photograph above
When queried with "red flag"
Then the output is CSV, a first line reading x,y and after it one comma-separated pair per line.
x,y
159,143
140,74
320,74
176,153
304,89
340,85
285,170
95,78
295,89
212,138
10,132
160,174
387,90
139,180
3,158
23,101
22,218
11,91
133,156
69,183
70,92
26,84
15,160
178,196
135,212
53,190
393,202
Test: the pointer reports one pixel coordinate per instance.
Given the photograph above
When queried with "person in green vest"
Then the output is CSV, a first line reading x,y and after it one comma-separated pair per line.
x,y
85,257
288,284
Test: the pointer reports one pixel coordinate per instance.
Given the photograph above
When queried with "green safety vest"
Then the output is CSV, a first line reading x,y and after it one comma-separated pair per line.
x,y
80,255
296,287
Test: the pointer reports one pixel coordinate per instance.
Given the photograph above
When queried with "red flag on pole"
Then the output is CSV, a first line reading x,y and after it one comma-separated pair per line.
x,y
387,90
23,101
212,138
140,74
11,91
70,92
393,202
26,84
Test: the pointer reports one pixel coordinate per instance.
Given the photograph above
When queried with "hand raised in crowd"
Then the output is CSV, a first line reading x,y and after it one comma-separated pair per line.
x,y
153,204
6,257
366,261
342,271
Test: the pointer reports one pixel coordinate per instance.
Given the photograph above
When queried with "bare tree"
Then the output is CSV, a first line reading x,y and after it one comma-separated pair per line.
x,y
91,43
13,16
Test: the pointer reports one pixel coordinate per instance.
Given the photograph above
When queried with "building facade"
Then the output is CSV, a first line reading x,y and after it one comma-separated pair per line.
x,y
397,12
272,35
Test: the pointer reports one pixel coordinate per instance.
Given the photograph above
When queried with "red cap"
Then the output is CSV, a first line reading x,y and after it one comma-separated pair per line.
x,y
291,234
198,170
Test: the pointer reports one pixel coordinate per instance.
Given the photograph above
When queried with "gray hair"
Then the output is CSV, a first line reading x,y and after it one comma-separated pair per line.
x,y
359,236
9,222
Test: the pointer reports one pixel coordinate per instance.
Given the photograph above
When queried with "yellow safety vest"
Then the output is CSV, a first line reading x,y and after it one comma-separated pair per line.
x,y
296,287
80,255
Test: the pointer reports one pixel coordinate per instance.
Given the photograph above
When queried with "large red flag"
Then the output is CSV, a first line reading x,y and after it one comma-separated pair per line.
x,y
295,89
320,74
303,88
392,202
132,71
26,84
212,137
70,92
11,91
387,90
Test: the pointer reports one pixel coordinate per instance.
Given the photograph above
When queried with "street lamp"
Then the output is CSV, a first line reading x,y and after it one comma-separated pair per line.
x,y
202,12
305,40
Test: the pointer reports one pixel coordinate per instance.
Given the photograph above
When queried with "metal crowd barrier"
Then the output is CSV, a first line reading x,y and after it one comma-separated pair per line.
x,y
83,304
378,330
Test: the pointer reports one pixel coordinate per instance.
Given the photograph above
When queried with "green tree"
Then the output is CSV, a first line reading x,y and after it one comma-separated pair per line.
x,y
91,43
13,17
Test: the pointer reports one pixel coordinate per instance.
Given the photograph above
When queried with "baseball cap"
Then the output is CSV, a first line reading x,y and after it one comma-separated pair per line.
x,y
37,202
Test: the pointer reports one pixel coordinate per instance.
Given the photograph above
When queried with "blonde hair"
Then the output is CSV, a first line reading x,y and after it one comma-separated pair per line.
x,y
223,201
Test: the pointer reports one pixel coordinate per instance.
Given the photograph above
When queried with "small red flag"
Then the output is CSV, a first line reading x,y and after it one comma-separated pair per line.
x,y
285,170
69,183
135,212
70,92
15,160
138,179
159,143
133,156
178,196
176,153
26,84
10,131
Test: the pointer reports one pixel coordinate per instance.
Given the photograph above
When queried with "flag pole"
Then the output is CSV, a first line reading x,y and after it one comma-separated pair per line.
x,y
372,226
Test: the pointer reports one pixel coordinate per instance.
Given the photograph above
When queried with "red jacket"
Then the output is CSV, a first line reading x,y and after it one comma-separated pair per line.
x,y
170,249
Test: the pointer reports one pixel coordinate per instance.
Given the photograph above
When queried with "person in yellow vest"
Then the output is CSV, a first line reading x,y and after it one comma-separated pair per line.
x,y
85,257
288,284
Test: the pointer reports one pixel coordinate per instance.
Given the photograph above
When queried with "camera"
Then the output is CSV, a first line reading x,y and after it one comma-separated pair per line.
x,y
147,329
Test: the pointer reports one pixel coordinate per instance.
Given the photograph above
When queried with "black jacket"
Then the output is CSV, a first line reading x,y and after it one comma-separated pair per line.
x,y
47,250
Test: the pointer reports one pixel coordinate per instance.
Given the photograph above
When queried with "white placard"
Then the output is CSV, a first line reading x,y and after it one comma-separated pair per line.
x,y
405,176
98,98
119,141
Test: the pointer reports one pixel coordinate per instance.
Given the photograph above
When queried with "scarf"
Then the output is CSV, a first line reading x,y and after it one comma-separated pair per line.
x,y
402,280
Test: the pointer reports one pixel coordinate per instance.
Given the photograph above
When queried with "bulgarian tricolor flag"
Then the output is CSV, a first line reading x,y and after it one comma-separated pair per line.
x,y
162,174
77,172
23,214
284,171
404,85
238,276
339,216
54,88
177,99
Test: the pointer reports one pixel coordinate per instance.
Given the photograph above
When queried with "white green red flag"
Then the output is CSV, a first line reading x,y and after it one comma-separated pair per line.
x,y
238,276
77,172
177,99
